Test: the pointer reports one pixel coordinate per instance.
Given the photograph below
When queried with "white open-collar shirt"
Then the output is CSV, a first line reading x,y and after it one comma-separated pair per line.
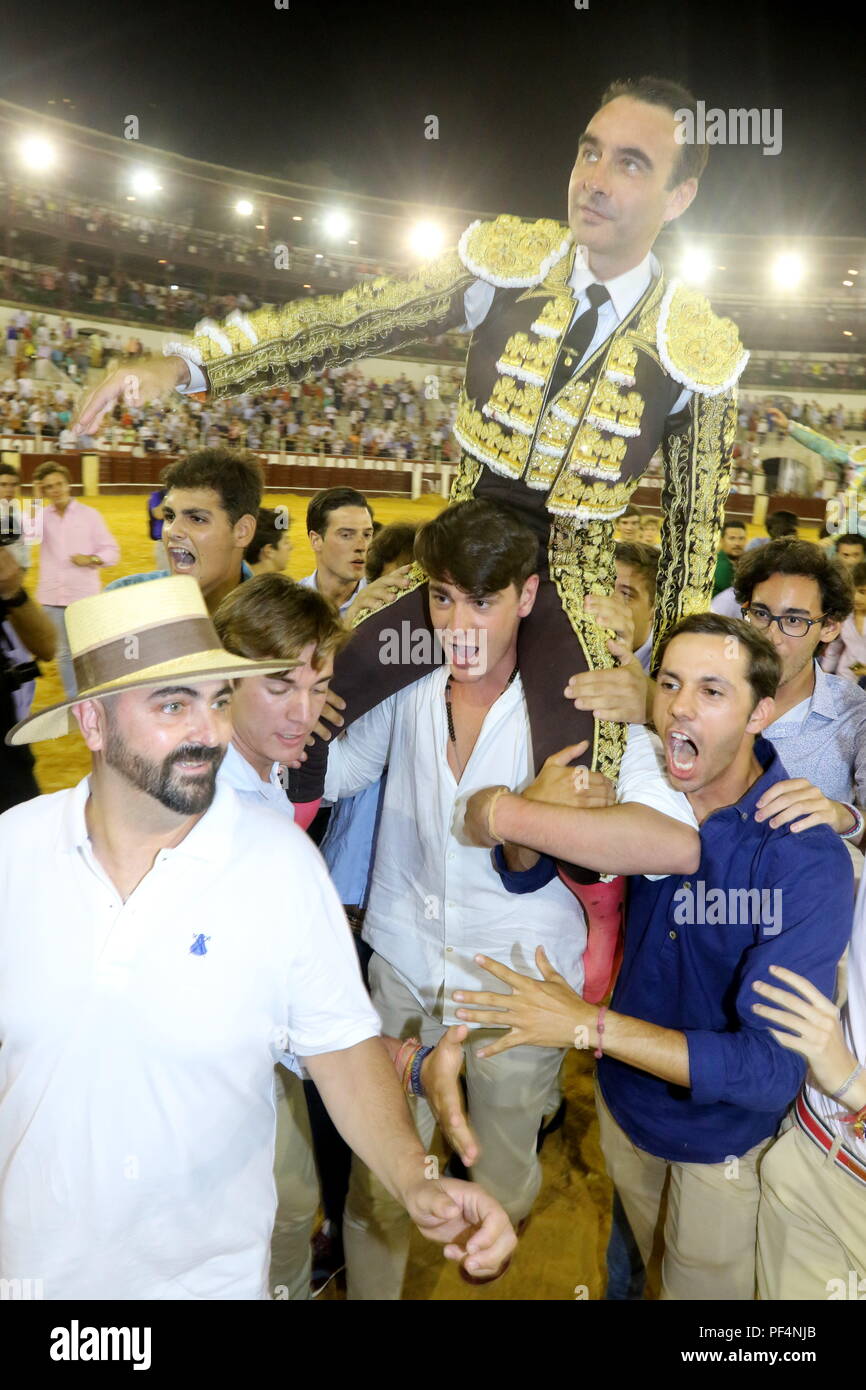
x,y
436,901
137,1114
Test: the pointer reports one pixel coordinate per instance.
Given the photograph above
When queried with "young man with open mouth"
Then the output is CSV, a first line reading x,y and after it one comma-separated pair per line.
x,y
434,897
210,512
691,1084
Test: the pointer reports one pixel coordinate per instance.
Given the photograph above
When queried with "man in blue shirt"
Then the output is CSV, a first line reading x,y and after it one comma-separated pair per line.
x,y
799,596
209,515
692,1086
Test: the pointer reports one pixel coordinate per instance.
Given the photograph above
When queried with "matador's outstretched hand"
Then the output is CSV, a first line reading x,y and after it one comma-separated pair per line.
x,y
145,379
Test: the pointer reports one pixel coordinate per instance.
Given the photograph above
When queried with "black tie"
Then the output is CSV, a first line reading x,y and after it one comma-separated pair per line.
x,y
577,340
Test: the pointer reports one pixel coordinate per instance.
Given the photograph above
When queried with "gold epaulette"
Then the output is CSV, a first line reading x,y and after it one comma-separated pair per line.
x,y
512,253
696,347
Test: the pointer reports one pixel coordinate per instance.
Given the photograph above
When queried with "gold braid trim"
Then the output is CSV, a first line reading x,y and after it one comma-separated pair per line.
x,y
416,577
465,479
697,348
697,478
581,566
511,253
336,328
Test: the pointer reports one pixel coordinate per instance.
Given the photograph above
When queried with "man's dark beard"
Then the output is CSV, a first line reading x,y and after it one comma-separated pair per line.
x,y
157,778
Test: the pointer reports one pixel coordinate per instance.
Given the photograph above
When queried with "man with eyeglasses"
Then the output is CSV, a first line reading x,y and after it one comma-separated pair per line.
x,y
799,596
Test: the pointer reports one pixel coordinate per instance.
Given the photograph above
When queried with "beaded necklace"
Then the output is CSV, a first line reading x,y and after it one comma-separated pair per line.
x,y
451,734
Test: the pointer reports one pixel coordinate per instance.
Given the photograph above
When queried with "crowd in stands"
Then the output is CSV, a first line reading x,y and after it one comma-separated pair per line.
x,y
804,371
342,412
755,421
116,295
78,217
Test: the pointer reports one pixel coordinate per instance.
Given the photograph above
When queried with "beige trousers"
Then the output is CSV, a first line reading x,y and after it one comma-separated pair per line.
x,y
811,1224
712,1212
508,1095
297,1190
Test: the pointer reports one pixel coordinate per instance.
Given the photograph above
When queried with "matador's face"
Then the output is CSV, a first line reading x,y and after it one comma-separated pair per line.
x,y
619,195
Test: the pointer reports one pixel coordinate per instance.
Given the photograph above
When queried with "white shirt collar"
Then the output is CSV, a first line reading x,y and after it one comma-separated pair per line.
x,y
625,290
241,775
311,581
210,837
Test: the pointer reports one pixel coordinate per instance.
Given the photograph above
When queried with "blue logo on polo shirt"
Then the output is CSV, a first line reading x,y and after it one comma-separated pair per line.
x,y
198,947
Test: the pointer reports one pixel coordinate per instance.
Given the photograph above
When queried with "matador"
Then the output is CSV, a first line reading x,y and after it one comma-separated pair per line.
x,y
567,457
583,362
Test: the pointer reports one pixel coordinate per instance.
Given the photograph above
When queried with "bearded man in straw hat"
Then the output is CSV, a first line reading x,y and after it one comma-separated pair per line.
x,y
151,980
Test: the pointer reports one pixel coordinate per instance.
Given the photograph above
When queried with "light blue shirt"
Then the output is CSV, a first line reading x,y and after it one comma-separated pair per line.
x,y
350,842
246,573
824,738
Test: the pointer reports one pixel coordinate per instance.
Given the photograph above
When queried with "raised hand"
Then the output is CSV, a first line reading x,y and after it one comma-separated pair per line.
x,y
146,379
377,594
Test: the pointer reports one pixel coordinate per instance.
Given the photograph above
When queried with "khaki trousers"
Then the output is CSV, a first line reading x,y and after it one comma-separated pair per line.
x,y
811,1224
297,1190
712,1212
508,1095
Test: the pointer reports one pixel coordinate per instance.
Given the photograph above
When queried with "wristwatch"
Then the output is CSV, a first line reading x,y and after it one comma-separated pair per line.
x,y
17,600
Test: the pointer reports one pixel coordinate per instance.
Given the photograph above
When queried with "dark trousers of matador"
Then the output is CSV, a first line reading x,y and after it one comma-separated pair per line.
x,y
548,654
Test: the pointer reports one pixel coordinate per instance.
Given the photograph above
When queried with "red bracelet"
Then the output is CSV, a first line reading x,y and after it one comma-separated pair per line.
x,y
600,1030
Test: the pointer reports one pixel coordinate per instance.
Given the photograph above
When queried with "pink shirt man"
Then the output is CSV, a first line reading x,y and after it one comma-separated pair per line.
x,y
78,530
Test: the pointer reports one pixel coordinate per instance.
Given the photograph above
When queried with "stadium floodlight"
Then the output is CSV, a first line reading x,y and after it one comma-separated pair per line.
x,y
37,153
336,224
788,270
243,207
145,182
426,238
696,265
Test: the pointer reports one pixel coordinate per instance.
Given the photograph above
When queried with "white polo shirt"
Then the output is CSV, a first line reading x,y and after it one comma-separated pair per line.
x,y
436,901
139,1039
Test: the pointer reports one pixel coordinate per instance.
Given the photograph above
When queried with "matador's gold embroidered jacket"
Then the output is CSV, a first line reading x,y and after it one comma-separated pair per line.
x,y
572,458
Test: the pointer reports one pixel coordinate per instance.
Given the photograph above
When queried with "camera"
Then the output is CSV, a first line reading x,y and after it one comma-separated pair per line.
x,y
13,677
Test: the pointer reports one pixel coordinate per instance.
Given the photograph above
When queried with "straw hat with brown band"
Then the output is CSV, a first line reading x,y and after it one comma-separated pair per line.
x,y
139,635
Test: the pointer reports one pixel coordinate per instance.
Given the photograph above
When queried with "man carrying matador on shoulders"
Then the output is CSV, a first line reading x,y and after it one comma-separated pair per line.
x,y
583,361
